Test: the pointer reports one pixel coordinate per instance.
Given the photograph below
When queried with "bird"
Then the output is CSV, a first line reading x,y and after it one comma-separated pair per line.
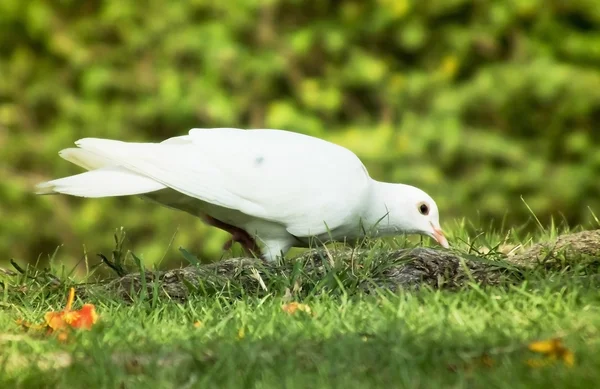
x,y
275,187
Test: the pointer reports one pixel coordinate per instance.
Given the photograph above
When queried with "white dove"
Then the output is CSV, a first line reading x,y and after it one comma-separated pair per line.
x,y
280,188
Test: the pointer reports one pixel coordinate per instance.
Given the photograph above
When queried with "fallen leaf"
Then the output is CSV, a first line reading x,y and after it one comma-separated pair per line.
x,y
84,318
568,358
58,322
293,307
62,336
553,350
545,346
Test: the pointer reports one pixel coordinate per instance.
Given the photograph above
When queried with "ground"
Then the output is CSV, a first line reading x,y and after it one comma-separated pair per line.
x,y
333,318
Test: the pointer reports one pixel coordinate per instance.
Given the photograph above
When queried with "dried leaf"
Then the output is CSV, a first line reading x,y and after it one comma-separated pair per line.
x,y
553,350
62,336
568,358
84,318
66,319
545,346
293,307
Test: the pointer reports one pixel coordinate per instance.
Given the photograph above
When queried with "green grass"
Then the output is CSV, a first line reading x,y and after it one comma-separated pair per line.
x,y
426,338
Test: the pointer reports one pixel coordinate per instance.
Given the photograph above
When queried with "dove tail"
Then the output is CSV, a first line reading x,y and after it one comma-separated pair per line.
x,y
103,180
84,158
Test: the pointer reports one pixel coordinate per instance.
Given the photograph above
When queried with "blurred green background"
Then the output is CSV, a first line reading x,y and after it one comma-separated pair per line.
x,y
477,102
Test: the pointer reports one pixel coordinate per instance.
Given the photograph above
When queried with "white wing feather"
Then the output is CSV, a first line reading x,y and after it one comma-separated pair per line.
x,y
303,183
109,181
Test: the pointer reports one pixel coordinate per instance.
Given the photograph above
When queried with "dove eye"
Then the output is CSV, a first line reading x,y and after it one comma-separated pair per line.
x,y
423,209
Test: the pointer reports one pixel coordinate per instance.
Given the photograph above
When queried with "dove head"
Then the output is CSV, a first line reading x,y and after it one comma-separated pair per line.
x,y
425,218
409,209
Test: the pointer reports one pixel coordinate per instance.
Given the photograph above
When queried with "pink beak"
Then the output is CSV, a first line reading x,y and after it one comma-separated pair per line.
x,y
439,236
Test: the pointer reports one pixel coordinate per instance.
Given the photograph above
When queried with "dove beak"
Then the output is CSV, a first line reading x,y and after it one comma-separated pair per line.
x,y
439,236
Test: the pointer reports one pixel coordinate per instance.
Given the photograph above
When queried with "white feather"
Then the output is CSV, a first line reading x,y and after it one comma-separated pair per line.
x,y
105,182
84,158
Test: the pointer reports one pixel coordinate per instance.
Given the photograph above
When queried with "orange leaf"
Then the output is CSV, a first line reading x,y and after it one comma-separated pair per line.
x,y
62,336
54,320
70,299
292,307
86,318
550,346
82,318
59,322
568,358
553,349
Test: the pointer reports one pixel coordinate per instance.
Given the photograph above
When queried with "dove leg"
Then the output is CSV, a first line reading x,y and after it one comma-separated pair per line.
x,y
275,249
237,235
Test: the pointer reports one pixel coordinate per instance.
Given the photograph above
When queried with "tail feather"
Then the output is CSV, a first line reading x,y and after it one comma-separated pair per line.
x,y
104,178
85,159
105,182
114,150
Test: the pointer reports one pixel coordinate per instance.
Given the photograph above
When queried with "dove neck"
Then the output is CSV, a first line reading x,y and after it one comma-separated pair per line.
x,y
386,212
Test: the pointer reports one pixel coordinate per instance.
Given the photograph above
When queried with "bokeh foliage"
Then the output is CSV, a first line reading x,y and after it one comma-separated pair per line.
x,y
477,102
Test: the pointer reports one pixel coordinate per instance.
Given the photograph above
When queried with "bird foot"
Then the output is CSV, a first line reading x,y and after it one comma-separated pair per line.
x,y
238,235
244,239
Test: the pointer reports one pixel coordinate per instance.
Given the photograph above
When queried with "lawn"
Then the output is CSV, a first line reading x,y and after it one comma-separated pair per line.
x,y
471,335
